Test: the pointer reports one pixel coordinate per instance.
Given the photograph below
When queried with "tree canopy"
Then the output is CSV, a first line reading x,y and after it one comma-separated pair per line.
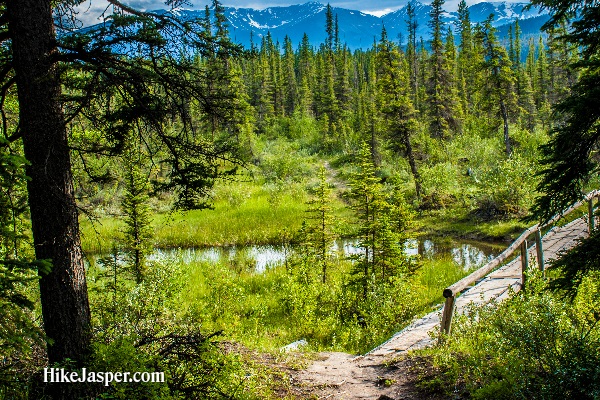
x,y
570,158
151,79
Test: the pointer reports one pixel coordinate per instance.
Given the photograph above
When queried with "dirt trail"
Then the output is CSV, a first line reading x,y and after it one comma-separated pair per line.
x,y
343,376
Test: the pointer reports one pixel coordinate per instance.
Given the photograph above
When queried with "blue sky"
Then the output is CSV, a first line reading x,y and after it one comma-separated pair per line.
x,y
91,9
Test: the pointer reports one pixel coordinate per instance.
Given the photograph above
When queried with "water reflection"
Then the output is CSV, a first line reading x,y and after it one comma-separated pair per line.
x,y
469,255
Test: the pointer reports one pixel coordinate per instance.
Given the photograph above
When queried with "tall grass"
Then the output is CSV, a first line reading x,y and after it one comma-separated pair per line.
x,y
275,308
244,213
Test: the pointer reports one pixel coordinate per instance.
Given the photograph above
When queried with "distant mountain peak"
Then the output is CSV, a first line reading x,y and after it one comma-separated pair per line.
x,y
358,29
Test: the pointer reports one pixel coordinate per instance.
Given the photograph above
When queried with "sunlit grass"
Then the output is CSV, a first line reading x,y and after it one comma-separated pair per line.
x,y
254,309
246,213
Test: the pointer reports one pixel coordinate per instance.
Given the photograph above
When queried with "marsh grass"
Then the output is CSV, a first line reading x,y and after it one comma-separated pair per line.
x,y
244,213
269,310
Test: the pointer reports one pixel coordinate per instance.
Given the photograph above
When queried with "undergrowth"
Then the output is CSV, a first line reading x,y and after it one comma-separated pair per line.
x,y
533,346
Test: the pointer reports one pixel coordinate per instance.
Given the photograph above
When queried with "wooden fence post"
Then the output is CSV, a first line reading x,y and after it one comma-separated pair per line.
x,y
592,219
524,262
540,251
447,317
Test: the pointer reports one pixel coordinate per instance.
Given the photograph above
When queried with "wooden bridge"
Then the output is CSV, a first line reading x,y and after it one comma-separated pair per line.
x,y
495,281
496,284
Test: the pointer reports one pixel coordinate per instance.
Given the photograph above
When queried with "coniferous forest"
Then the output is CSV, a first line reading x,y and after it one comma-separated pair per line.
x,y
149,166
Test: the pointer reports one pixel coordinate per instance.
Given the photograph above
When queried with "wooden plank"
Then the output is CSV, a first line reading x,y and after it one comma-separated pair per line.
x,y
447,316
539,247
496,287
524,262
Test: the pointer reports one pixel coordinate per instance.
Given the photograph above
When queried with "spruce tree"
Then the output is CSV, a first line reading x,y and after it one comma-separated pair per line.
x,y
306,76
465,62
411,52
137,217
381,224
500,79
365,193
289,78
440,84
319,231
395,105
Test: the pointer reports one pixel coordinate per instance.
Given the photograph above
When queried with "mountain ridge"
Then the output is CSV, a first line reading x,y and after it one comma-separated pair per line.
x,y
356,28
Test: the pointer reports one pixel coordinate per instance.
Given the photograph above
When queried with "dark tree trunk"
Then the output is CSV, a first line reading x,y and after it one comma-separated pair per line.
x,y
54,221
413,165
505,127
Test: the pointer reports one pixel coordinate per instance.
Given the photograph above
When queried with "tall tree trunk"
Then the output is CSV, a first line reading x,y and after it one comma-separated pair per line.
x,y
413,165
505,123
54,221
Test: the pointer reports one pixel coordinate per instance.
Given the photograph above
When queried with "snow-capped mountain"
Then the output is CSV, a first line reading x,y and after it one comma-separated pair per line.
x,y
357,29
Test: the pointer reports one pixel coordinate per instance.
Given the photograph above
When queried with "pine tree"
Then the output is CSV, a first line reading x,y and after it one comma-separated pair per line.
x,y
381,224
289,78
411,52
465,62
136,210
440,85
306,76
319,232
366,192
569,159
500,79
543,84
394,103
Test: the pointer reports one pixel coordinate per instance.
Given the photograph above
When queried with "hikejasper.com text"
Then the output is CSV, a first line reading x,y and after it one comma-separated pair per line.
x,y
60,375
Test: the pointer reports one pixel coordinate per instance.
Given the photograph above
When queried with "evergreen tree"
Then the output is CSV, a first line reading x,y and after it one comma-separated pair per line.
x,y
543,84
319,232
394,103
365,194
136,210
498,89
381,224
289,78
115,78
569,157
411,52
465,62
440,84
306,76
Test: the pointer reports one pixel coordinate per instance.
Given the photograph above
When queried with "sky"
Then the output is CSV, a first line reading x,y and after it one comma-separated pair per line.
x,y
90,10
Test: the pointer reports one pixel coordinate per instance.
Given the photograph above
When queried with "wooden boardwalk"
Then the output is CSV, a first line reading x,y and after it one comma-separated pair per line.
x,y
343,376
497,286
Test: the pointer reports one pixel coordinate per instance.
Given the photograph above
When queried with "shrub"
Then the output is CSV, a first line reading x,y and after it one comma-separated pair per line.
x,y
507,189
530,346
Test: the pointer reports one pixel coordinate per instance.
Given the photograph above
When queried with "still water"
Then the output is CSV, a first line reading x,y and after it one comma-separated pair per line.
x,y
468,254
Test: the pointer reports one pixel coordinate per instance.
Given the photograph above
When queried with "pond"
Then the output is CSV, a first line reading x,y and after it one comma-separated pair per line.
x,y
468,254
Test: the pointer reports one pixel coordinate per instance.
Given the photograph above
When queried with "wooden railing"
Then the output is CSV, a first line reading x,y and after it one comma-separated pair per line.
x,y
451,292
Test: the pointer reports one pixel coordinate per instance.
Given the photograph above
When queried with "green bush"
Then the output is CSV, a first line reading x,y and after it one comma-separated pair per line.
x,y
507,189
532,346
143,328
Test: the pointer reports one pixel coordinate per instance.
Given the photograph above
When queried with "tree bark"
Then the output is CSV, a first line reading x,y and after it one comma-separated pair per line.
x,y
55,226
413,165
505,127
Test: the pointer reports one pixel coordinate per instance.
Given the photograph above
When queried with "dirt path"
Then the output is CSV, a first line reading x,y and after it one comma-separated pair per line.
x,y
338,376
